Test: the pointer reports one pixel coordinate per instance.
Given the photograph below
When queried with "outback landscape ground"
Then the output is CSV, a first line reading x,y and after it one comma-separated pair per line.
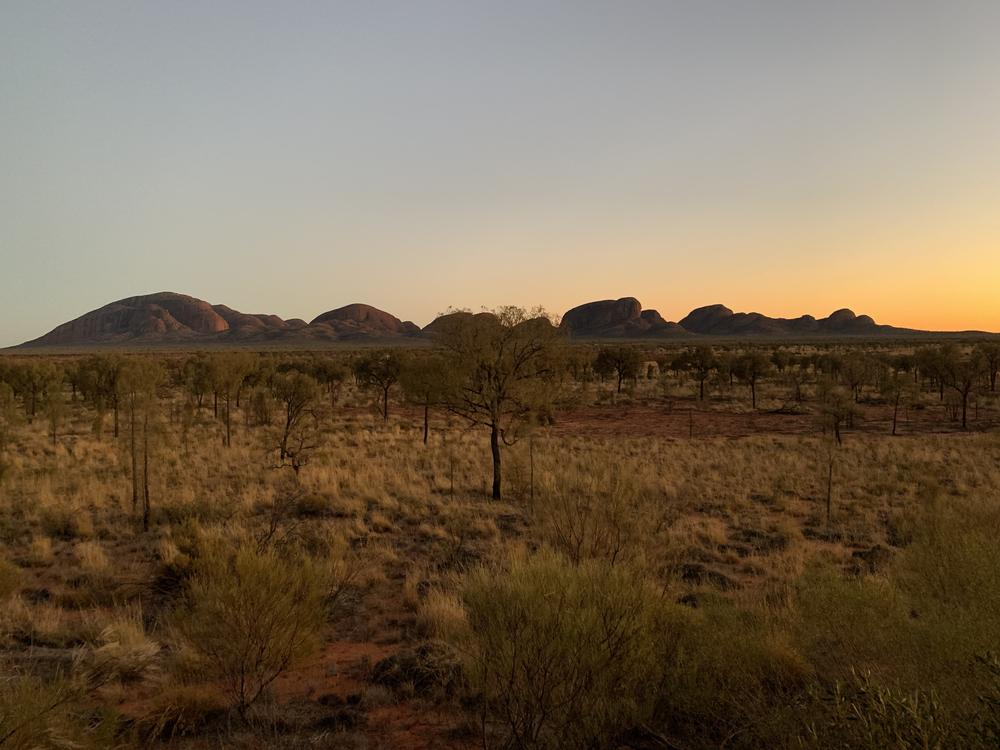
x,y
502,539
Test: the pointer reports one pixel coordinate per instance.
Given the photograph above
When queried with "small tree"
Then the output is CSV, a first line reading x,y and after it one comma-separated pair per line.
x,y
989,355
501,367
379,371
139,381
750,368
9,416
297,394
425,383
700,362
837,407
960,374
331,375
622,362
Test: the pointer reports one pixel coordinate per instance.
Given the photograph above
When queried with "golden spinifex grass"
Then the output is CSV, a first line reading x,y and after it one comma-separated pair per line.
x,y
747,581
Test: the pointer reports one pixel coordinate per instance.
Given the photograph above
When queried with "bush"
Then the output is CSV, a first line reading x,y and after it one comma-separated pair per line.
x,y
248,616
561,655
36,715
10,579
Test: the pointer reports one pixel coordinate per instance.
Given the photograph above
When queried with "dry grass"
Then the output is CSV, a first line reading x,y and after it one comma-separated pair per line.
x,y
736,528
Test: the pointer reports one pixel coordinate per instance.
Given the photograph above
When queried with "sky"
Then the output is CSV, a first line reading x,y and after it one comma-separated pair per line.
x,y
292,157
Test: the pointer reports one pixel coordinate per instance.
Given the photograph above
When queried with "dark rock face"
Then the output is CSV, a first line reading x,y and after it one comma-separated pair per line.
x,y
617,318
167,317
149,316
718,320
357,320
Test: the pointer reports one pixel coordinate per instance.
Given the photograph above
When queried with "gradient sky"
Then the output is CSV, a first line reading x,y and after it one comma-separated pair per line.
x,y
291,157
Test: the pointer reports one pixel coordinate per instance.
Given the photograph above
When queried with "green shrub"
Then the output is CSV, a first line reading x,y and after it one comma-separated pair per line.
x,y
562,655
37,715
249,615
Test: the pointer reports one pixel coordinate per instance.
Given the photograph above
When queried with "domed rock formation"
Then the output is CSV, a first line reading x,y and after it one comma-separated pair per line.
x,y
164,314
616,318
358,320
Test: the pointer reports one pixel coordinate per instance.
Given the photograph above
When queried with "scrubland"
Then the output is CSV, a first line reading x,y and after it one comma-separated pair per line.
x,y
723,575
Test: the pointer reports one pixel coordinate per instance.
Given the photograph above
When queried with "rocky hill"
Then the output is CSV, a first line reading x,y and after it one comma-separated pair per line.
x,y
616,319
170,318
177,319
719,320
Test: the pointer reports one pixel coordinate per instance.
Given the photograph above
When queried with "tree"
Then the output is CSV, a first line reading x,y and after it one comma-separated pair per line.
x,y
855,369
425,383
139,381
331,375
227,373
379,371
55,404
297,393
100,385
989,355
837,407
197,374
701,362
750,367
31,380
620,361
9,416
501,363
896,388
960,373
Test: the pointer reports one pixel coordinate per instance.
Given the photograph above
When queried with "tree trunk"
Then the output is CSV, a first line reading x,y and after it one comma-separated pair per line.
x,y
495,449
965,408
895,414
228,422
385,405
135,458
145,472
753,393
427,409
701,390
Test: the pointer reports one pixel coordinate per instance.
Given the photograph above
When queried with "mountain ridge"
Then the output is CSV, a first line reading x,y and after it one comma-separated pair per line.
x,y
173,318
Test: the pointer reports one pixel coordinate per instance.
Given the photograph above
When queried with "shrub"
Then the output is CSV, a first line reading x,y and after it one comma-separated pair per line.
x,y
561,655
37,715
10,579
250,615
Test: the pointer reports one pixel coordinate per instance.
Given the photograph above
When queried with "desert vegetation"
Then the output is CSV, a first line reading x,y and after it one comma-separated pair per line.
x,y
505,540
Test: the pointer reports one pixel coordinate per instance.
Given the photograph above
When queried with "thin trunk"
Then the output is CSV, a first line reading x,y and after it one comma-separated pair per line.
x,y
145,472
427,409
135,457
229,437
531,468
895,413
829,493
753,393
495,449
385,405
